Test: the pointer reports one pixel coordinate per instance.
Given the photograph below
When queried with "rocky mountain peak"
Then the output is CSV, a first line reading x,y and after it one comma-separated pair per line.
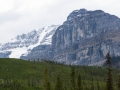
x,y
26,36
25,42
86,36
83,13
76,13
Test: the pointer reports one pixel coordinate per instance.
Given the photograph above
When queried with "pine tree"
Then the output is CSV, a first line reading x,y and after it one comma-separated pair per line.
x,y
48,86
92,85
119,83
79,86
109,82
46,83
58,85
29,84
72,79
98,87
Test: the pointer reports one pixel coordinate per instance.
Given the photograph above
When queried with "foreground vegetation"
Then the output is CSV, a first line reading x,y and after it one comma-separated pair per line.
x,y
17,74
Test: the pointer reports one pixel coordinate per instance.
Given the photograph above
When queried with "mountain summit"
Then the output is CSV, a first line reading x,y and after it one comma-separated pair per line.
x,y
86,37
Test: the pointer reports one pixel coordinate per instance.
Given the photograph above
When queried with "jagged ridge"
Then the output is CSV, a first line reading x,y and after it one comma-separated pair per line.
x,y
24,43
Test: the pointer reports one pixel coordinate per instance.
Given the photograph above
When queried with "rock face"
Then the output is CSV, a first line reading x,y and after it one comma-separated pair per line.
x,y
86,37
40,52
5,54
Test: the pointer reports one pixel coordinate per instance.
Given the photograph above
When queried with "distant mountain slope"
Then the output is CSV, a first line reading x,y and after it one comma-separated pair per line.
x,y
83,39
86,37
24,43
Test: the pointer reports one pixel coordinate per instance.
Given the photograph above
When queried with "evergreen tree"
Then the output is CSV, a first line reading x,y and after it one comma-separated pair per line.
x,y
109,82
92,85
46,83
98,87
48,86
119,83
58,85
79,86
29,84
72,79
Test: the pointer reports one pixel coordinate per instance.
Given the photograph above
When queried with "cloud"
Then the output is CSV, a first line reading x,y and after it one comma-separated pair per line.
x,y
22,16
9,16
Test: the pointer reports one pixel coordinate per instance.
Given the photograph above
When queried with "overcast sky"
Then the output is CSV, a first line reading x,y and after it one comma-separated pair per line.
x,y
22,16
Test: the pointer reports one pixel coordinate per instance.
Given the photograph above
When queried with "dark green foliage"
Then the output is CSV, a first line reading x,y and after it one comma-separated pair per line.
x,y
109,82
72,79
16,74
119,83
58,85
46,83
79,83
48,87
92,85
98,87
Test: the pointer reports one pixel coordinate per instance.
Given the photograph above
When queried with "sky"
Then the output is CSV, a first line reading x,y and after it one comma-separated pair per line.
x,y
22,16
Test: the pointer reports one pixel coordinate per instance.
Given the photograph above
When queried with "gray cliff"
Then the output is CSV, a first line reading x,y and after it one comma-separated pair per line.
x,y
39,52
86,37
83,39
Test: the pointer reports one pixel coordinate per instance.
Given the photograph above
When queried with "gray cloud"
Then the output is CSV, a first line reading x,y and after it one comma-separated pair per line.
x,y
22,16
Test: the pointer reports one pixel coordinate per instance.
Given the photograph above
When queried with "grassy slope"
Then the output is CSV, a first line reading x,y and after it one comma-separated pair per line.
x,y
15,69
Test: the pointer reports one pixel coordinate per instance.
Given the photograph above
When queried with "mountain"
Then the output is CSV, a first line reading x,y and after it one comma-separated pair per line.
x,y
26,42
86,37
83,39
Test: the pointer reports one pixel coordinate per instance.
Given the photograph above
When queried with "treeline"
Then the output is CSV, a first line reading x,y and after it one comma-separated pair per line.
x,y
49,75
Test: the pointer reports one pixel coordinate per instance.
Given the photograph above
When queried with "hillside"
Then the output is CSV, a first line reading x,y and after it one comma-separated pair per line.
x,y
29,75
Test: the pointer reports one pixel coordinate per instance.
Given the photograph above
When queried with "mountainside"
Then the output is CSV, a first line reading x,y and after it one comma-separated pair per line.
x,y
83,39
86,37
26,42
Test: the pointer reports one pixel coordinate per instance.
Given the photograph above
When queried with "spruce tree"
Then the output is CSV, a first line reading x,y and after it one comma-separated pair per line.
x,y
79,86
58,85
109,82
92,84
98,87
29,84
46,83
48,86
72,79
119,83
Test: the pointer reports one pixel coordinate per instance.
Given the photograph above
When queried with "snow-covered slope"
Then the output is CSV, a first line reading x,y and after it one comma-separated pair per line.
x,y
23,44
